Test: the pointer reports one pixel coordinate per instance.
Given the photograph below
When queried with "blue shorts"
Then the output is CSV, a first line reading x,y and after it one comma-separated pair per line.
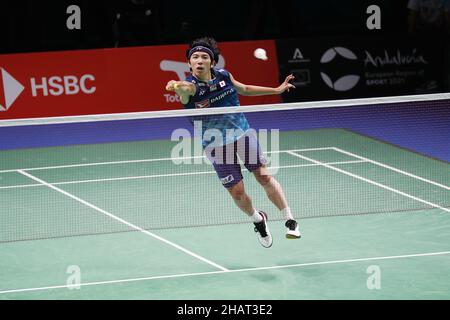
x,y
225,159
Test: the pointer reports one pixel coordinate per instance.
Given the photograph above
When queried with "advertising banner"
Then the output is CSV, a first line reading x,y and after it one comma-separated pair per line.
x,y
118,80
342,68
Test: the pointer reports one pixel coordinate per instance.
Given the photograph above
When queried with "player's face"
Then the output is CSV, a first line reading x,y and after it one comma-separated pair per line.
x,y
200,63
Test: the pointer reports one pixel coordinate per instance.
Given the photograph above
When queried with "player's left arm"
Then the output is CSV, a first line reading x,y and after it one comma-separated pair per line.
x,y
251,90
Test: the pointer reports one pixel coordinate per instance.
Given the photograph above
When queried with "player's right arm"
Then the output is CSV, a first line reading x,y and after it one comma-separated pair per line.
x,y
184,89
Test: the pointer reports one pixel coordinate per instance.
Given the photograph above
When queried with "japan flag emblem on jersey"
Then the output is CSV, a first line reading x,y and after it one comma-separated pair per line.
x,y
222,84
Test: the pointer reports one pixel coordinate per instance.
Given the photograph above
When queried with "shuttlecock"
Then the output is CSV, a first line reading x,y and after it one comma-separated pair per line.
x,y
260,54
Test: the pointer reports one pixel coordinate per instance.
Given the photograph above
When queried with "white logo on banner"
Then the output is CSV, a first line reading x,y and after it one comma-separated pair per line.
x,y
344,83
11,89
396,59
298,54
68,85
298,57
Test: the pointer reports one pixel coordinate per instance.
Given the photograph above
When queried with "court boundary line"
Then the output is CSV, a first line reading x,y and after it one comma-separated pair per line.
x,y
168,175
396,145
337,149
353,175
390,167
88,204
144,160
298,265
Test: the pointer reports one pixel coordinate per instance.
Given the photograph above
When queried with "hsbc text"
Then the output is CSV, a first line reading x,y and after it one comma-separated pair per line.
x,y
68,85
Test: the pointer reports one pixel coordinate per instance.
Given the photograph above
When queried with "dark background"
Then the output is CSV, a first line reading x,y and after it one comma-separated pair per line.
x,y
40,25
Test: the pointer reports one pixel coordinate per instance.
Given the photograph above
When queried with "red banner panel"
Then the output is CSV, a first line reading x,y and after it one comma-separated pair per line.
x,y
117,80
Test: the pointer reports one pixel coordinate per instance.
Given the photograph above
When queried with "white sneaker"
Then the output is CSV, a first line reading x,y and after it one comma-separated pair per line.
x,y
292,231
262,231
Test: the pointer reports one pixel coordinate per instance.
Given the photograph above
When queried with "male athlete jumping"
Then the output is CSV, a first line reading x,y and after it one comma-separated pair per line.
x,y
210,87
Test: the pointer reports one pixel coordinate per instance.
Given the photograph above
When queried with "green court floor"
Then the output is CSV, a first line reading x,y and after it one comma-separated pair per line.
x,y
129,223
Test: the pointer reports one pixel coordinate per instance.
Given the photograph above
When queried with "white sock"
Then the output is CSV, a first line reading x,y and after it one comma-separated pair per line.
x,y
256,217
287,213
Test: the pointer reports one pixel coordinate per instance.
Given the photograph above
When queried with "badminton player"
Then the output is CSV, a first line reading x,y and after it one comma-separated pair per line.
x,y
210,87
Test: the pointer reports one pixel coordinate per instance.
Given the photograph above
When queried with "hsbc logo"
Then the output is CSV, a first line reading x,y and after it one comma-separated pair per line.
x,y
51,86
11,90
57,85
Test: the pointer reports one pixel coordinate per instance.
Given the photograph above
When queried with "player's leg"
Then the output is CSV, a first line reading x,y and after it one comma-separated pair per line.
x,y
272,187
259,218
230,175
276,195
255,162
229,172
242,199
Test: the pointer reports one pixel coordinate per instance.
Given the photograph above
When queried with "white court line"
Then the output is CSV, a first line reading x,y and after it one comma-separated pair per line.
x,y
370,181
111,179
100,164
169,175
122,221
390,168
227,272
143,160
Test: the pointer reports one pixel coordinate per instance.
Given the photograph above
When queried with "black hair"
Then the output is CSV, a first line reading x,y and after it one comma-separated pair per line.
x,y
207,42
